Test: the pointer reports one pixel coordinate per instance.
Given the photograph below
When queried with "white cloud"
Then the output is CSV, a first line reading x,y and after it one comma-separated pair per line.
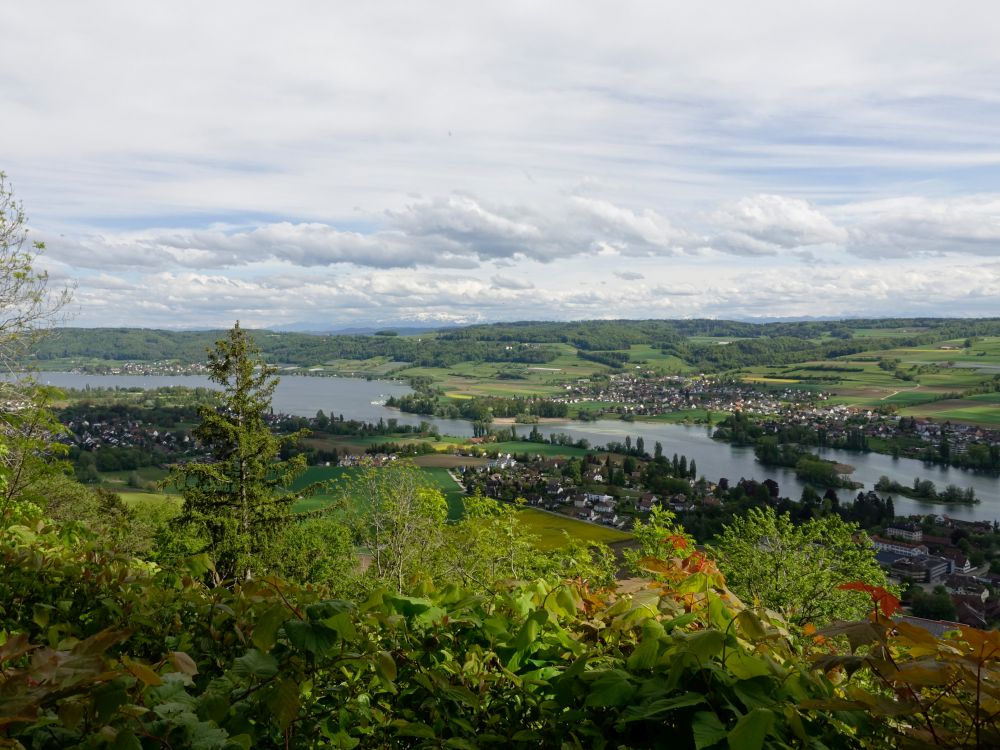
x,y
767,224
507,282
902,227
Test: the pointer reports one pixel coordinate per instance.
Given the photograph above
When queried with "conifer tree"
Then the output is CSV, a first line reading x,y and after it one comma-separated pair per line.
x,y
241,498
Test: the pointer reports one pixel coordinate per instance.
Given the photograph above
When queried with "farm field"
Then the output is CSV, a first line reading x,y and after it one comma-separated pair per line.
x,y
360,443
656,359
448,461
958,410
550,528
540,449
987,398
885,333
374,367
686,415
591,407
937,373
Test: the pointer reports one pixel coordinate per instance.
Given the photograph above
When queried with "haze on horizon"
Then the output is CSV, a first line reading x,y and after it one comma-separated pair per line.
x,y
336,165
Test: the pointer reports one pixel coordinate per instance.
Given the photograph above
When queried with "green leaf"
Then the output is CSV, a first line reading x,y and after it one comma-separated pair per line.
x,y
414,729
312,637
409,606
207,736
265,632
612,688
657,707
108,699
527,735
344,741
707,730
343,624
529,632
645,655
750,730
707,644
40,614
746,666
199,565
284,702
141,672
385,666
214,706
751,625
255,664
680,622
126,740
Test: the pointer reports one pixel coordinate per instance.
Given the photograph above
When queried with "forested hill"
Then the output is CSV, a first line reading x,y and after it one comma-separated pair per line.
x,y
304,349
706,344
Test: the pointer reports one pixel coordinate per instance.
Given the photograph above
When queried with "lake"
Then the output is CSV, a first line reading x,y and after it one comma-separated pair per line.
x,y
363,399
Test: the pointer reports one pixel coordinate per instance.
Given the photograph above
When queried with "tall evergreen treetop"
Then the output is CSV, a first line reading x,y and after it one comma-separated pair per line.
x,y
241,496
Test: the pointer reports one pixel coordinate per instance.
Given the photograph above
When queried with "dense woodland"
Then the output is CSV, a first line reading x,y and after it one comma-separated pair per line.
x,y
601,341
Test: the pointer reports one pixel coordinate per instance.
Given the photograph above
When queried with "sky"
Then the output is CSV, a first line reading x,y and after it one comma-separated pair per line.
x,y
321,165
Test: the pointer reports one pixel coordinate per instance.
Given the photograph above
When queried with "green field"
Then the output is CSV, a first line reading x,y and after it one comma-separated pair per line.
x,y
468,379
550,528
988,398
686,415
656,359
958,410
539,449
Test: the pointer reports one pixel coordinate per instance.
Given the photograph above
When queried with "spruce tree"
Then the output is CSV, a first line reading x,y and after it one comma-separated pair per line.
x,y
240,498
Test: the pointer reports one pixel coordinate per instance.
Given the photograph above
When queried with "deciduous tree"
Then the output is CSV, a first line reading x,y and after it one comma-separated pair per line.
x,y
795,570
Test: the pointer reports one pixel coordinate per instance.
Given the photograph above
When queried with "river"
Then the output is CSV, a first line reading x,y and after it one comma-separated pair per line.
x,y
364,399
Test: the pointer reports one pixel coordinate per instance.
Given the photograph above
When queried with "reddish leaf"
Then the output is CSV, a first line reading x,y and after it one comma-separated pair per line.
x,y
882,599
678,541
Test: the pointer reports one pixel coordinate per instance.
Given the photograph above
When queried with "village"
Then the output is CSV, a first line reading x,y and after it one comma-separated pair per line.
x,y
645,394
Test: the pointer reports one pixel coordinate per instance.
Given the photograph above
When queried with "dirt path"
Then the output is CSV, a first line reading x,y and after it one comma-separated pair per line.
x,y
903,390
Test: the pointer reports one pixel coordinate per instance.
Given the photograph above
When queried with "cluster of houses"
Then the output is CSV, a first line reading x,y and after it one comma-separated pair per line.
x,y
650,395
541,482
124,433
161,367
836,422
907,553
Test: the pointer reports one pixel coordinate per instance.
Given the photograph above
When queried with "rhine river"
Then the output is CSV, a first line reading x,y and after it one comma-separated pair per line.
x,y
363,399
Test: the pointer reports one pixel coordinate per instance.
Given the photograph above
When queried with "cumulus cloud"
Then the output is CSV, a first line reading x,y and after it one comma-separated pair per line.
x,y
901,227
629,275
458,231
767,224
643,232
